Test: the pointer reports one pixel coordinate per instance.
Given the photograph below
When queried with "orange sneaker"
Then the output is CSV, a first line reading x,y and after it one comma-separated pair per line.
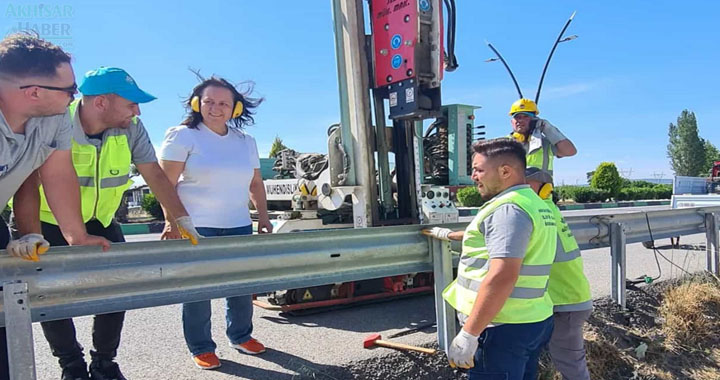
x,y
252,347
207,360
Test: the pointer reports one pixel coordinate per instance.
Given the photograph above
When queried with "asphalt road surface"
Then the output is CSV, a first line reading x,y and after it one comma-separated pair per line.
x,y
314,346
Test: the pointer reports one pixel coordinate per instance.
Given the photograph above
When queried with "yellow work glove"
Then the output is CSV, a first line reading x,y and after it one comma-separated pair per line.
x,y
462,350
187,229
28,247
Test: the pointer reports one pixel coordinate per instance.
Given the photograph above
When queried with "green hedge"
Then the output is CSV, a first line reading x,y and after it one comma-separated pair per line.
x,y
469,197
640,191
643,193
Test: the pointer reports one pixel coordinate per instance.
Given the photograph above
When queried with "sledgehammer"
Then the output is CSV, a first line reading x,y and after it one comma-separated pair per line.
x,y
375,340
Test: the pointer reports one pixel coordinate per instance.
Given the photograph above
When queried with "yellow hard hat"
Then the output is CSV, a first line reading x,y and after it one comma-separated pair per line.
x,y
523,105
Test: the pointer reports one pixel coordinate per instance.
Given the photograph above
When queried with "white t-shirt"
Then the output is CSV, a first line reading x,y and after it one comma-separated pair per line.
x,y
215,185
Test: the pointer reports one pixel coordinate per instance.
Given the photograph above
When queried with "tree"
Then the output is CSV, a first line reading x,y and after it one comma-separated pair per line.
x,y
151,205
277,146
607,178
469,197
686,150
589,176
711,155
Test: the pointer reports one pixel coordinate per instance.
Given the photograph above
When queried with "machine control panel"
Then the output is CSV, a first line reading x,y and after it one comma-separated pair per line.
x,y
437,206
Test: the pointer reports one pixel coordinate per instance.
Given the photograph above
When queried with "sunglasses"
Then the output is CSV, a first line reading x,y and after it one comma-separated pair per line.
x,y
72,90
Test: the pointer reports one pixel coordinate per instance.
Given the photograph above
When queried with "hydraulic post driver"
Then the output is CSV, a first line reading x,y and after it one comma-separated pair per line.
x,y
405,56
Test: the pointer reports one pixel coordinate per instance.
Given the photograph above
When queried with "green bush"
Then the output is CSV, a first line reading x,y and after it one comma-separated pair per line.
x,y
606,177
624,183
641,184
581,194
589,194
151,205
565,193
645,193
632,194
469,197
663,191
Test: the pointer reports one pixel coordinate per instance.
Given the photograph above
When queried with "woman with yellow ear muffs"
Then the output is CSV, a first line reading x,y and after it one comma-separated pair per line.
x,y
215,166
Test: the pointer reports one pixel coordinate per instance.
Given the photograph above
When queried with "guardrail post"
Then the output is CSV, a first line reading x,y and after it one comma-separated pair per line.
x,y
712,223
618,266
443,275
18,327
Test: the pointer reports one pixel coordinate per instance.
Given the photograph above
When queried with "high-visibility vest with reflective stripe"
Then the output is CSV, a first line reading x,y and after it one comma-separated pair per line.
x,y
104,176
539,152
529,301
569,288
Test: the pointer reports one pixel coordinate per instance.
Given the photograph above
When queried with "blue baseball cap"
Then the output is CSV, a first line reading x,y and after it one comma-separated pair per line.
x,y
113,80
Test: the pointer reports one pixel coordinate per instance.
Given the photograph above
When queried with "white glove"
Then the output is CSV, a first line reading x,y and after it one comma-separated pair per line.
x,y
462,350
550,131
28,247
440,233
187,229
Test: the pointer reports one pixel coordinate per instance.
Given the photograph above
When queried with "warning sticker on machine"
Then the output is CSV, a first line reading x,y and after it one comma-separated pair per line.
x,y
409,95
393,99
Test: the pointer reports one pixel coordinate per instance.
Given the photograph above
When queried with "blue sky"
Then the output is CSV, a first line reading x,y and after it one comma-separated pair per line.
x,y
613,91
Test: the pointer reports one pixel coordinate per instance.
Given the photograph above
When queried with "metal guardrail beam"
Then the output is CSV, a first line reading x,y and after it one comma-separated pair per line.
x,y
594,231
75,281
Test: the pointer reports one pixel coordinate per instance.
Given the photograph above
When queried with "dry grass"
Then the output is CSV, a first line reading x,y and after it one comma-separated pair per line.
x,y
690,312
683,343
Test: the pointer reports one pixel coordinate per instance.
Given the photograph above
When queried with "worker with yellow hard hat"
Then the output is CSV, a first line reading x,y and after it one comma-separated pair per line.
x,y
542,140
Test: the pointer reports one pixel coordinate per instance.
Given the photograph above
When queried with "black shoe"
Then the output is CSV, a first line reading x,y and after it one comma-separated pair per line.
x,y
105,370
75,371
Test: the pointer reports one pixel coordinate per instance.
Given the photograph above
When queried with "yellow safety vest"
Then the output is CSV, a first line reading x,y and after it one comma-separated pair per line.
x,y
539,152
569,288
103,175
529,301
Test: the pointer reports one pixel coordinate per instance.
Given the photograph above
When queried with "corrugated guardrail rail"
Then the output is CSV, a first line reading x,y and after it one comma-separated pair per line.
x,y
75,281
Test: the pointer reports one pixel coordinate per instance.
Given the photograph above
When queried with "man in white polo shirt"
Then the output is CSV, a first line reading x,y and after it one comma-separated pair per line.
x,y
36,85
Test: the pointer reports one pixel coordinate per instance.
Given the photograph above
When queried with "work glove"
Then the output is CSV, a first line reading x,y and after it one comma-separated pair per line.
x,y
28,247
187,229
439,233
462,350
550,131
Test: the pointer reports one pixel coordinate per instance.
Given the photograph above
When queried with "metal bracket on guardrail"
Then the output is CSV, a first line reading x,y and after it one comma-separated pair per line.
x,y
712,223
443,276
21,354
618,266
600,222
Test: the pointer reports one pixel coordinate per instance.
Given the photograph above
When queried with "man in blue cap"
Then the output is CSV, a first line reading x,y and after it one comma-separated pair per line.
x,y
107,138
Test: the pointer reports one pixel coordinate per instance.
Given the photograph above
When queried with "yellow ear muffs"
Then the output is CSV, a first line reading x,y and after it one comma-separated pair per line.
x,y
238,110
195,104
519,137
545,190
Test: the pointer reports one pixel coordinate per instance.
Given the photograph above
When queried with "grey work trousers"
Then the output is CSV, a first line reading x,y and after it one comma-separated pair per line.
x,y
567,347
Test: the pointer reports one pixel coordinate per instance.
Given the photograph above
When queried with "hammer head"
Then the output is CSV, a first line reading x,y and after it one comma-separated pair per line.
x,y
370,340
